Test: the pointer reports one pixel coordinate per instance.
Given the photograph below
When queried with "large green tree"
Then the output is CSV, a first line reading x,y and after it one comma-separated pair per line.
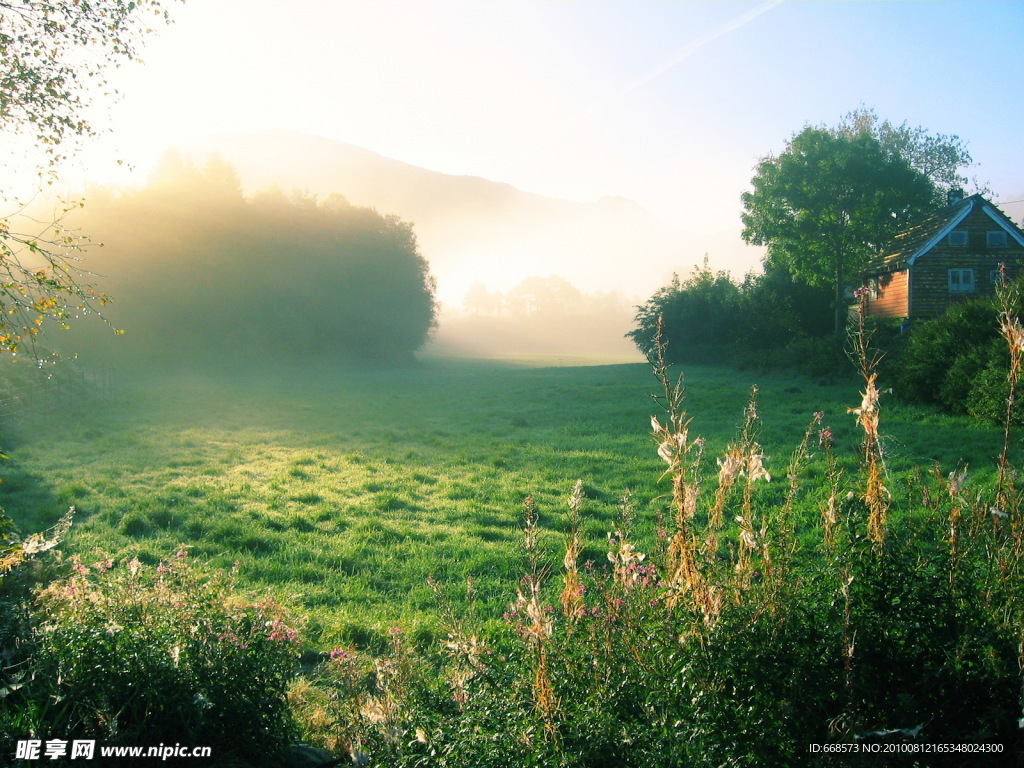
x,y
54,58
941,157
828,202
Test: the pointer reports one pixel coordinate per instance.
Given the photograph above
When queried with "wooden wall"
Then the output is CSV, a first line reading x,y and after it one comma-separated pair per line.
x,y
892,296
930,279
926,294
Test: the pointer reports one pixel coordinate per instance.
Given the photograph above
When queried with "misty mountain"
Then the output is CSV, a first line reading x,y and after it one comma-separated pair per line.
x,y
471,229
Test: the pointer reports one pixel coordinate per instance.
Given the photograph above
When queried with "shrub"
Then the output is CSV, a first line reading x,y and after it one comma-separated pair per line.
x,y
700,317
768,320
957,361
130,655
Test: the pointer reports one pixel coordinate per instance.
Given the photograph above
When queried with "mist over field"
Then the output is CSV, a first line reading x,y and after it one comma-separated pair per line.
x,y
563,278
276,245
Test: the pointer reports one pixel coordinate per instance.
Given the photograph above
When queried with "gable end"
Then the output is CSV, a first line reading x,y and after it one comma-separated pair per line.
x,y
1001,221
942,233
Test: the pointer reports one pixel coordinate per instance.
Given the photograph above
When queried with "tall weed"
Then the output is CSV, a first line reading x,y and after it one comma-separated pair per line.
x,y
757,622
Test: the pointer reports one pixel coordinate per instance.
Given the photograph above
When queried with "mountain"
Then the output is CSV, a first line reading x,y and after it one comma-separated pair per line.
x,y
472,229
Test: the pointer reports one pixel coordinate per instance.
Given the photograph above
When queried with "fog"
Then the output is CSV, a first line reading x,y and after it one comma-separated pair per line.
x,y
540,318
277,246
478,232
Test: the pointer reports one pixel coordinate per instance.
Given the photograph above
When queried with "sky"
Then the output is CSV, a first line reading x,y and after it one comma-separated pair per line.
x,y
667,103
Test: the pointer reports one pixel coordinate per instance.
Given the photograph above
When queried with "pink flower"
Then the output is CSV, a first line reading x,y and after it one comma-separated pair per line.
x,y
342,655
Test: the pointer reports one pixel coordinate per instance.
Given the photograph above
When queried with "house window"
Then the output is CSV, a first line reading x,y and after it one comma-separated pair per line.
x,y
995,239
958,237
961,281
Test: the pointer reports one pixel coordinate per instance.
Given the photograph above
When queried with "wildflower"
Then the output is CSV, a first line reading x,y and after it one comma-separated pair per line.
x,y
342,655
756,470
134,566
956,482
281,632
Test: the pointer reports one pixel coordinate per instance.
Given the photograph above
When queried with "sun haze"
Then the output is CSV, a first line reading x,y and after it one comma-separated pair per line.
x,y
665,107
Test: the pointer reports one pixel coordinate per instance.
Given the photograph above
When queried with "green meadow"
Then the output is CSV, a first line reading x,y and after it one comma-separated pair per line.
x,y
341,491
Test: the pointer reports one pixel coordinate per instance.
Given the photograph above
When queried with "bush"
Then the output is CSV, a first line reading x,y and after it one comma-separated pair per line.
x,y
133,655
700,317
957,361
768,320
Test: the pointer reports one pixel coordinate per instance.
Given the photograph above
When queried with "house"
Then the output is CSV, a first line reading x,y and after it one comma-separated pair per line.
x,y
951,255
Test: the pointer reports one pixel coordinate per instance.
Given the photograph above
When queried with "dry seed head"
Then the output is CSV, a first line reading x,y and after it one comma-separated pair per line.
x,y
576,497
374,710
831,511
1014,334
541,625
689,500
730,466
572,553
756,470
955,483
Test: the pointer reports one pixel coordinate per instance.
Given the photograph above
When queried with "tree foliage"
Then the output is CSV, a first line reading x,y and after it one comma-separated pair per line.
x,y
206,273
939,157
54,56
767,319
827,203
700,316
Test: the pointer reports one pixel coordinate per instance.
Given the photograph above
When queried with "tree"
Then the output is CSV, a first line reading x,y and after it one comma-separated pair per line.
x,y
277,277
937,156
829,202
54,54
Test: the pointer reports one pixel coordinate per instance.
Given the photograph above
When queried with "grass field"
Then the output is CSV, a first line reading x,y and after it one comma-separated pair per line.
x,y
341,491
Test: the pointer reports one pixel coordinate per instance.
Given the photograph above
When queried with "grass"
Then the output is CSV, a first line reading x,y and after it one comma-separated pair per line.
x,y
418,525
342,491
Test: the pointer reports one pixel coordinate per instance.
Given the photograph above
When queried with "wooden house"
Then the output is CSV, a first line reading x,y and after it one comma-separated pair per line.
x,y
951,255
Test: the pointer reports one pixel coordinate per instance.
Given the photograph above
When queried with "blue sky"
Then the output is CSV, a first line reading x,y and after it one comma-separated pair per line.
x,y
667,102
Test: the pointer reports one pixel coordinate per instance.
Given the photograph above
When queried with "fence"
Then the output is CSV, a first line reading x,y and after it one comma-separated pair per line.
x,y
67,388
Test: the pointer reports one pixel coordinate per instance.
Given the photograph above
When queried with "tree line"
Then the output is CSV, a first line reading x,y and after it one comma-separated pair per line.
x,y
201,272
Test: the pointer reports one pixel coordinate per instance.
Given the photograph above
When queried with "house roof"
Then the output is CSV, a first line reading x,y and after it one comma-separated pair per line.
x,y
926,233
